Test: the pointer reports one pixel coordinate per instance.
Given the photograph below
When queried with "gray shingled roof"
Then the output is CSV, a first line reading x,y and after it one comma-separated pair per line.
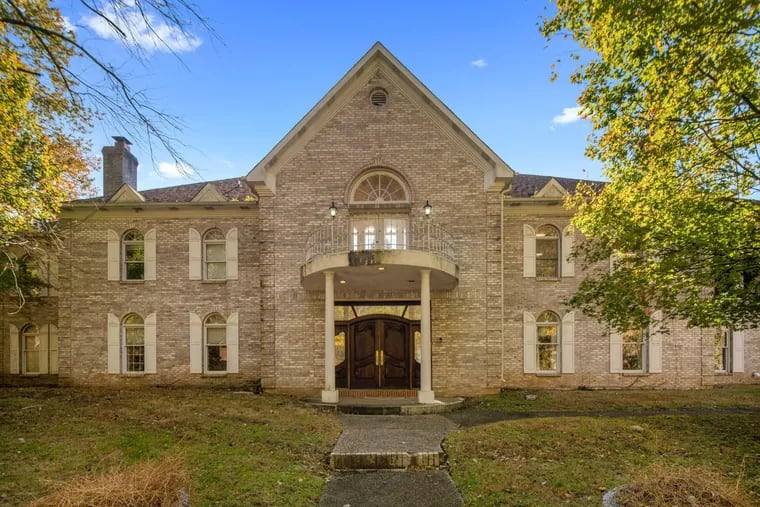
x,y
231,189
526,185
523,185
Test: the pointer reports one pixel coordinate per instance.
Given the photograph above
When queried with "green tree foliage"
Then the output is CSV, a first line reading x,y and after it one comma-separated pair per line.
x,y
671,88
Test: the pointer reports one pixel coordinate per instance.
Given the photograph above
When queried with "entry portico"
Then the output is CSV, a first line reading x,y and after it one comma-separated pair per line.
x,y
373,255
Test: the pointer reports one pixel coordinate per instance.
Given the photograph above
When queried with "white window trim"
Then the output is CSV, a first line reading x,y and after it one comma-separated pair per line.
x,y
727,349
558,324
375,173
206,326
566,240
123,263
123,345
204,251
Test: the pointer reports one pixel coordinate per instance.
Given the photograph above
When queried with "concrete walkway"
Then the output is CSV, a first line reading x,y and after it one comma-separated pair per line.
x,y
391,460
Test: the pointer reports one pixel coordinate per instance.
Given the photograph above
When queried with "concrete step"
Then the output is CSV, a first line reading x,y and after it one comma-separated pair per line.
x,y
390,442
386,460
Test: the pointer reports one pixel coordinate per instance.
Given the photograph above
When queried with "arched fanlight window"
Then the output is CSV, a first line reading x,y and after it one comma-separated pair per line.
x,y
133,255
215,343
379,187
133,343
547,342
214,255
547,252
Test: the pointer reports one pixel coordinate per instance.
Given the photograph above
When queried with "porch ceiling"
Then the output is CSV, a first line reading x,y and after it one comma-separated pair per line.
x,y
386,270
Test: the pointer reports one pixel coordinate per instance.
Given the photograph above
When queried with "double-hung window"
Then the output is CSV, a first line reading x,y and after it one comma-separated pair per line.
x,y
133,256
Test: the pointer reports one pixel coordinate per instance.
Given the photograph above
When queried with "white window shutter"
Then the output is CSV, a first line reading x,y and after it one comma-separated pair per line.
x,y
232,343
44,348
529,343
149,242
150,343
616,352
231,249
194,238
529,251
655,343
15,338
114,256
568,239
114,344
196,344
737,352
53,347
568,343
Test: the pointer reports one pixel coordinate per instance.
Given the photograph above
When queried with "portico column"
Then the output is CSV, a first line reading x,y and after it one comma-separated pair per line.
x,y
425,394
330,394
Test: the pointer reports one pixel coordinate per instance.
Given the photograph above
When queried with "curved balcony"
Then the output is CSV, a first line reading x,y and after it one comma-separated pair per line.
x,y
358,249
380,233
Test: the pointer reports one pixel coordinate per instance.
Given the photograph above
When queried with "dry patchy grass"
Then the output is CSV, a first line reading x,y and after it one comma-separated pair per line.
x,y
154,483
574,460
238,449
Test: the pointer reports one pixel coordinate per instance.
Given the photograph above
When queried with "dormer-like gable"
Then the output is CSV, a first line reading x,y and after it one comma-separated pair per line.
x,y
552,189
126,194
209,193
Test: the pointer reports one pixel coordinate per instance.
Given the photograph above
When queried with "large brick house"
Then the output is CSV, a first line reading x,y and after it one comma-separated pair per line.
x,y
380,245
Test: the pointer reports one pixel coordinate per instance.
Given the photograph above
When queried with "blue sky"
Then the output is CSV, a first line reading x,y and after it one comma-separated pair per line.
x,y
239,92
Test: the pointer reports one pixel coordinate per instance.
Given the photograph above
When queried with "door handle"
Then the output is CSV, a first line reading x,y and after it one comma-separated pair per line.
x,y
382,358
377,358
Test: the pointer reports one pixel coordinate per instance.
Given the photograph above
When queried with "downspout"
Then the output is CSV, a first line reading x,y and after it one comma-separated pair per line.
x,y
501,269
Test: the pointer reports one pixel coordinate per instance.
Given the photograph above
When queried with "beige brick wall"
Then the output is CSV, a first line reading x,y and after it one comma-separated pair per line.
x,y
87,297
402,137
282,325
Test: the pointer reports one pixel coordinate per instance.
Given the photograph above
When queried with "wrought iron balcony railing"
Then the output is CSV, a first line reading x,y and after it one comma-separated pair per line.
x,y
380,233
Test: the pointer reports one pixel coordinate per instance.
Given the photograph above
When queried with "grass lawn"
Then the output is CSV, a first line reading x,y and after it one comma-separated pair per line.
x,y
573,460
736,396
238,449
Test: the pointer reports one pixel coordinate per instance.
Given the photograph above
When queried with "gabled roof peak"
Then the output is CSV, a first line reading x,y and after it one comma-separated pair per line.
x,y
263,176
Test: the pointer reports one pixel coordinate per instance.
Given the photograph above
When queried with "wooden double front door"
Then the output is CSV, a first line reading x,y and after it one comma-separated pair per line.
x,y
379,354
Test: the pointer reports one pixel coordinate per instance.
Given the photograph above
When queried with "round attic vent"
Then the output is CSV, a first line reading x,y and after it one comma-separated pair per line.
x,y
378,97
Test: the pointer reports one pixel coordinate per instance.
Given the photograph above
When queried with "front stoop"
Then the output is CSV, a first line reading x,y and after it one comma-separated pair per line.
x,y
386,460
387,405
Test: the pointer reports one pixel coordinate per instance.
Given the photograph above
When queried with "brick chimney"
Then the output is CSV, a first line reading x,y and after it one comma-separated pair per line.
x,y
119,166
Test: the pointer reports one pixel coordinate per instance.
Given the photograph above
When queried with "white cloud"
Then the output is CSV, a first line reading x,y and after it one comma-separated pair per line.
x,y
174,170
146,32
479,63
68,25
569,115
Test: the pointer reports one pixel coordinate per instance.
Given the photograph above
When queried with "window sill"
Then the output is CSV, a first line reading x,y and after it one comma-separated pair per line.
x,y
724,373
132,282
548,374
548,279
134,374
32,375
211,374
635,373
214,281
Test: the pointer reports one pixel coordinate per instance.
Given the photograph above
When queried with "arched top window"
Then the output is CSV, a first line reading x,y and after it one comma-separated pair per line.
x,y
214,255
379,187
133,255
215,348
31,348
133,343
547,252
547,342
